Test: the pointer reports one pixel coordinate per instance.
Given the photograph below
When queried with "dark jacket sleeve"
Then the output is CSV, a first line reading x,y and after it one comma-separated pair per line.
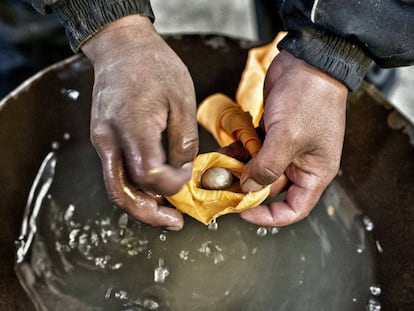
x,y
83,18
342,37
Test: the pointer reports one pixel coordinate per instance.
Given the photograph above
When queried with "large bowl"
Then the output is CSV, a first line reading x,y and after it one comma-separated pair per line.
x,y
377,167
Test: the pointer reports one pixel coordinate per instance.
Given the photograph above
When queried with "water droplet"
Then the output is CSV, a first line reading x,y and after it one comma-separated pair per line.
x,y
94,238
49,196
379,247
69,213
302,258
369,225
123,221
227,293
254,250
104,234
183,254
354,300
359,250
161,272
143,242
59,247
375,290
261,232
150,304
163,237
101,262
123,295
330,210
205,248
83,239
72,94
66,136
105,222
213,225
274,230
55,145
134,252
108,293
218,257
117,266
72,238
373,305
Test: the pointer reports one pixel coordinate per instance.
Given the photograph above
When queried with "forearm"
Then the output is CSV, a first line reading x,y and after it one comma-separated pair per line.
x,y
342,37
82,19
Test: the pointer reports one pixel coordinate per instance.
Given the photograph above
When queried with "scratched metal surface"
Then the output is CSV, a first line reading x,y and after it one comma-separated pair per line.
x,y
377,166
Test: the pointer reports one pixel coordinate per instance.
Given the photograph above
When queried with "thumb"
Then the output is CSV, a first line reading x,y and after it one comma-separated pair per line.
x,y
268,165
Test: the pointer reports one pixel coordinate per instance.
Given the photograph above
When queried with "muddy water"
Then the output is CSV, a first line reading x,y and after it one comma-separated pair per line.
x,y
77,252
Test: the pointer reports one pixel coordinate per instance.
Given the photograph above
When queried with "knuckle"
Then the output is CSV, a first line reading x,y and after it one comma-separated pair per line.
x,y
147,180
185,150
190,143
99,134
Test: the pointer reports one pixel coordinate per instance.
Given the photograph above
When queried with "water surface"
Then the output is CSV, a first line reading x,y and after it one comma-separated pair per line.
x,y
77,252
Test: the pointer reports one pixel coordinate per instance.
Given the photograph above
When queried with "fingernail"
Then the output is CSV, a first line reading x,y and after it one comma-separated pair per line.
x,y
187,165
251,185
174,228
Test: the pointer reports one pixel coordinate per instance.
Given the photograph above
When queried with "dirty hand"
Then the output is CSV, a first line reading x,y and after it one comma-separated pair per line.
x,y
141,90
304,122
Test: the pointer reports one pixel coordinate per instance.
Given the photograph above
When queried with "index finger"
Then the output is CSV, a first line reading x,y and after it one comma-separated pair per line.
x,y
145,159
125,196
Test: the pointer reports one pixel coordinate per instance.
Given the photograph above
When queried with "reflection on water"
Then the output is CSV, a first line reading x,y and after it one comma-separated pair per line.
x,y
77,252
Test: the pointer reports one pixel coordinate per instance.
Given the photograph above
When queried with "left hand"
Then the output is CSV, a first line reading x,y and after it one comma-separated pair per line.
x,y
304,122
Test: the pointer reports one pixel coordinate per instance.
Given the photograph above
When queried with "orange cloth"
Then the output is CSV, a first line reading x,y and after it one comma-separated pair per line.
x,y
228,121
250,91
205,205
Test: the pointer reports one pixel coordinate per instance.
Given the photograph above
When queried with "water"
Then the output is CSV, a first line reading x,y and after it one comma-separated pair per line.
x,y
71,94
213,225
77,250
375,290
261,232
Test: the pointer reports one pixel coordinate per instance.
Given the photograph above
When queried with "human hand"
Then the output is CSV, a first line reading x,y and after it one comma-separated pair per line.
x,y
141,90
304,122
237,151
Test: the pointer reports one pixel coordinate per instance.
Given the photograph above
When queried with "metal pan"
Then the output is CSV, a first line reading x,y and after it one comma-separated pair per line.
x,y
377,168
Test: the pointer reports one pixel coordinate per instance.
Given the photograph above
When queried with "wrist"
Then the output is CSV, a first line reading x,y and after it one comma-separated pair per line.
x,y
338,57
118,34
289,62
83,19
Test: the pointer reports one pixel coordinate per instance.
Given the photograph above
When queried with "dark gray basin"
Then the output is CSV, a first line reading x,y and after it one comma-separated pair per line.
x,y
377,171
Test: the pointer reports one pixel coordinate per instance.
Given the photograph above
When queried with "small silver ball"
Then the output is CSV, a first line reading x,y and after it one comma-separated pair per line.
x,y
216,178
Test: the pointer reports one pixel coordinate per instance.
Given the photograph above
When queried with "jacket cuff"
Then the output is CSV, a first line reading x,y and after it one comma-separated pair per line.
x,y
336,56
82,19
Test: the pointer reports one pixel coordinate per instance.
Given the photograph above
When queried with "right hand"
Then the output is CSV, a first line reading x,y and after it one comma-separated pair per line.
x,y
142,90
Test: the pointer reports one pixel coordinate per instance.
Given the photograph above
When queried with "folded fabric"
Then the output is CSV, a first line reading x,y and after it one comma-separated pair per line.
x,y
249,94
229,121
206,205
